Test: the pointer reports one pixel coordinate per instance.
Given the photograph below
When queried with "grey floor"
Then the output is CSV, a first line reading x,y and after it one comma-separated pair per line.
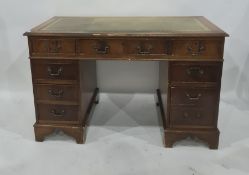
x,y
124,137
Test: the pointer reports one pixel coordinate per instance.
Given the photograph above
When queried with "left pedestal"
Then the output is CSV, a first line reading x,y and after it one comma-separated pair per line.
x,y
64,93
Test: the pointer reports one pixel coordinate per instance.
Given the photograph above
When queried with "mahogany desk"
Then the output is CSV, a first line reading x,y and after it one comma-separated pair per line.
x,y
63,52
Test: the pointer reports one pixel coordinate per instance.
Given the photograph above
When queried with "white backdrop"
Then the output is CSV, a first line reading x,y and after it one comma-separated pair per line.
x,y
16,17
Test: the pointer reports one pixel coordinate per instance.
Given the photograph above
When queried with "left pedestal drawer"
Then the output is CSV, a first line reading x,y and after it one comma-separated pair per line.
x,y
53,70
58,113
51,92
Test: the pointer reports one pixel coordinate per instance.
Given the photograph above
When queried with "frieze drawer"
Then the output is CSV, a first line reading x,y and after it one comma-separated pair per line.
x,y
52,46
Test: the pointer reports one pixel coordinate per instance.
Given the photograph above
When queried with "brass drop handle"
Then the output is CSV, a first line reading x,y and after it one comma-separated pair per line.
x,y
55,46
142,50
101,48
192,97
196,48
56,93
58,113
186,116
56,73
195,71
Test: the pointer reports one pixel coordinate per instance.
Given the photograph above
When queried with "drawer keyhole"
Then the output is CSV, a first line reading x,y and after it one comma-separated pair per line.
x,y
57,93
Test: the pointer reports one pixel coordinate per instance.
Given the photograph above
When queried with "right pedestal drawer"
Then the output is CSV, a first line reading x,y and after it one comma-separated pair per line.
x,y
194,72
191,116
192,95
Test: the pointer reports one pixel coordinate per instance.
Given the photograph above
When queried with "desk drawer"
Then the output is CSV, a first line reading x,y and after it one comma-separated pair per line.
x,y
198,96
195,71
54,70
199,48
58,113
52,46
148,47
191,116
99,47
46,92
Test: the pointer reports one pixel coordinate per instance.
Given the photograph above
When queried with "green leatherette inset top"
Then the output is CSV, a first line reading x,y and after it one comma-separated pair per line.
x,y
122,26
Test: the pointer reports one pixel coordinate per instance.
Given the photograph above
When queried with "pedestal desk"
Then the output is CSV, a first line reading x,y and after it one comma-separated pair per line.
x,y
63,53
